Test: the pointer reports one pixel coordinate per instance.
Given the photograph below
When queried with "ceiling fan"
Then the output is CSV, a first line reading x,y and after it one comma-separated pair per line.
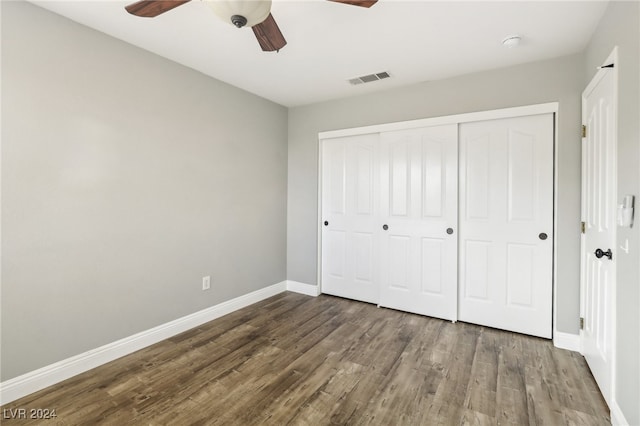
x,y
241,13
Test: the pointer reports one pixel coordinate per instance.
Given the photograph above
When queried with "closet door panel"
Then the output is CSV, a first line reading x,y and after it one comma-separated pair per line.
x,y
506,224
349,207
418,203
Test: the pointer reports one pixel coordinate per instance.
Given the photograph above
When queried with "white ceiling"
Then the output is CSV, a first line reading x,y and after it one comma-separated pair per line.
x,y
329,43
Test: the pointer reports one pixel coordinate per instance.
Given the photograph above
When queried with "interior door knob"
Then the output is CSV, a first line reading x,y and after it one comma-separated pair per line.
x,y
599,254
449,231
385,226
326,223
542,236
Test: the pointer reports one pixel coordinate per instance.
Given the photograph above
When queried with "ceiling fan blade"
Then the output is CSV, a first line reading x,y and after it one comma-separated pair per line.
x,y
361,3
269,35
151,8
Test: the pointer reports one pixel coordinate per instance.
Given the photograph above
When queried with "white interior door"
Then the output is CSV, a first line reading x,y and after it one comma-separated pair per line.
x,y
349,212
598,208
506,224
418,220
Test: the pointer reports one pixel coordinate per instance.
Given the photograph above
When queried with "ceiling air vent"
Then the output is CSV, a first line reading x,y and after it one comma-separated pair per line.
x,y
369,78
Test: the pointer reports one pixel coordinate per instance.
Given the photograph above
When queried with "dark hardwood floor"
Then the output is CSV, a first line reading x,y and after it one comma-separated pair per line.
x,y
297,360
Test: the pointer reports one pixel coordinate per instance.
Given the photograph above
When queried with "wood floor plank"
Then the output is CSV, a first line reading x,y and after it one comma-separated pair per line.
x,y
421,346
299,360
448,405
481,393
474,418
400,398
335,404
593,394
339,379
483,383
511,407
543,408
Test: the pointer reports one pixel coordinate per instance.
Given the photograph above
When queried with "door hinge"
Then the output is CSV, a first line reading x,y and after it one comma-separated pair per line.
x,y
584,131
583,227
581,323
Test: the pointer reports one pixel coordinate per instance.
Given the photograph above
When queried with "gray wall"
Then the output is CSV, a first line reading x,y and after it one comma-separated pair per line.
x,y
549,81
621,26
126,178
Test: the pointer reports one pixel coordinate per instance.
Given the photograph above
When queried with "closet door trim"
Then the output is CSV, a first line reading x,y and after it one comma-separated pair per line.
x,y
551,107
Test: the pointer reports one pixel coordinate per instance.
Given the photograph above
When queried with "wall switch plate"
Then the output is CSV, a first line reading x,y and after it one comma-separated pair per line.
x,y
206,283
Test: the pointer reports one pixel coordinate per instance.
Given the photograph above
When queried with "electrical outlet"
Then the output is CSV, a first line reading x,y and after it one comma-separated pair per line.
x,y
206,283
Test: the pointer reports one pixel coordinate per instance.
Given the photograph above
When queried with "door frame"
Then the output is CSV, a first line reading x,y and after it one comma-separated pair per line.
x,y
611,59
546,108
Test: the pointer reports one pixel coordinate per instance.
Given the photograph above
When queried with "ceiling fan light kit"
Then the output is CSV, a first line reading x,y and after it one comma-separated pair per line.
x,y
251,12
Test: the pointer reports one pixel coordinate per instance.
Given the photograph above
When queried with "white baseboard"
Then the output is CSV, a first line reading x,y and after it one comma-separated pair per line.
x,y
567,341
308,289
31,382
617,417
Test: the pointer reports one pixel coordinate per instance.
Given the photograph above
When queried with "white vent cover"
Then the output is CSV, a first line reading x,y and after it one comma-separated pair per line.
x,y
369,78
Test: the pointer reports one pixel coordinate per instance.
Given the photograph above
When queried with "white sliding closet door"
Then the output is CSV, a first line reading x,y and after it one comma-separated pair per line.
x,y
506,224
349,208
418,220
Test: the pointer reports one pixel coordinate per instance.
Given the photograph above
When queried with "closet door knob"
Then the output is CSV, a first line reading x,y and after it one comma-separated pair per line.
x,y
385,226
326,223
449,231
542,236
